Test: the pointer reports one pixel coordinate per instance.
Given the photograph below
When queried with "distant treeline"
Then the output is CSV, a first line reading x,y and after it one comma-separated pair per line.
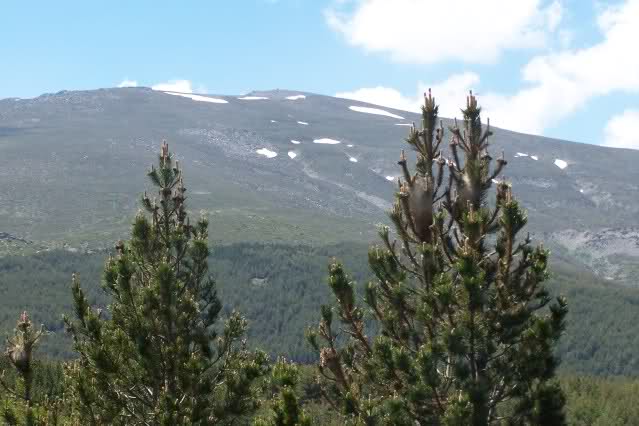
x,y
280,287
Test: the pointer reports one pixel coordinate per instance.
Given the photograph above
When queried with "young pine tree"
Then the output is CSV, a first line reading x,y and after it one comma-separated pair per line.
x,y
466,330
19,352
285,408
155,357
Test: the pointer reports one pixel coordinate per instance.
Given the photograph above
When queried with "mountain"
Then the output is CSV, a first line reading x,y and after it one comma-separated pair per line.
x,y
279,165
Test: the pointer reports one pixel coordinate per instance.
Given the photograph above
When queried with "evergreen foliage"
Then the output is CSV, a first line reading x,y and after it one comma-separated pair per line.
x,y
466,331
155,355
601,401
26,409
285,407
590,401
38,283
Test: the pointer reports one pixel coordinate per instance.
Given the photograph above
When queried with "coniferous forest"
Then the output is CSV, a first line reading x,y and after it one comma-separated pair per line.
x,y
453,316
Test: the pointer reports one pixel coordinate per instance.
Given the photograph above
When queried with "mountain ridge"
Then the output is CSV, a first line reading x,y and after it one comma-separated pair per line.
x,y
308,169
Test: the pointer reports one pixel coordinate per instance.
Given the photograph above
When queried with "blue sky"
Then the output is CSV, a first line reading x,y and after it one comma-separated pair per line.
x,y
561,68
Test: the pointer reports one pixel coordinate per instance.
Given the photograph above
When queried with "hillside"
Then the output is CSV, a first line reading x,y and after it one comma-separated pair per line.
x,y
288,180
279,166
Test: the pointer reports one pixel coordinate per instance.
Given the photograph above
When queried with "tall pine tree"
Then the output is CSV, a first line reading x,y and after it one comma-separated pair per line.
x,y
156,355
465,326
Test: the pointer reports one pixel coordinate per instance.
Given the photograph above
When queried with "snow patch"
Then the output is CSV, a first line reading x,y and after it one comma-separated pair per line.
x,y
403,124
581,190
295,97
292,154
352,159
273,121
350,145
390,178
303,123
199,97
294,142
377,111
522,154
495,181
267,152
561,164
326,141
252,98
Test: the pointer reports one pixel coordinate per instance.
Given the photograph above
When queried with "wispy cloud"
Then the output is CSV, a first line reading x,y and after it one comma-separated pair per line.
x,y
128,83
425,32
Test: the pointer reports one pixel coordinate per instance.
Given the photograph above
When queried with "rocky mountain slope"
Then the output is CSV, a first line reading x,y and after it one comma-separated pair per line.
x,y
279,165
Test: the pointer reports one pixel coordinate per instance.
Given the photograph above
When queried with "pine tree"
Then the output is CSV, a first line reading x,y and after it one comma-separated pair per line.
x,y
285,406
155,356
19,352
465,326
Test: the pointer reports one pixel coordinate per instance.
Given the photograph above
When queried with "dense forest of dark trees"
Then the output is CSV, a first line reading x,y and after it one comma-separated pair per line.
x,y
278,288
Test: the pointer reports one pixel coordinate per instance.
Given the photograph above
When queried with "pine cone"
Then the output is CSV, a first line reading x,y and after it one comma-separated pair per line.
x,y
20,358
420,202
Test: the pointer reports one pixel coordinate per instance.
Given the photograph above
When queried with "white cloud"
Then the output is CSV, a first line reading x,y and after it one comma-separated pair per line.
x,y
450,94
557,85
562,82
181,86
413,30
384,96
622,131
128,83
